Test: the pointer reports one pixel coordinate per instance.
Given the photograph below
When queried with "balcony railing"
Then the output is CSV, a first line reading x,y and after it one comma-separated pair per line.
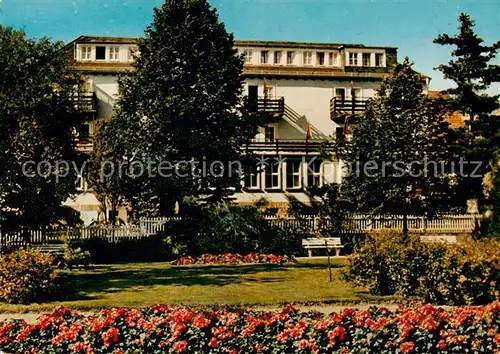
x,y
306,145
85,102
271,106
342,106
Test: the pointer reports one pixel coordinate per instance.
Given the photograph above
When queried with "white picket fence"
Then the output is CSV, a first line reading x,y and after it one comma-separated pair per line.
x,y
357,223
41,236
446,224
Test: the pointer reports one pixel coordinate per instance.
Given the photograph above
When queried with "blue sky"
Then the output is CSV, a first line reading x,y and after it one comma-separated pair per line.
x,y
408,25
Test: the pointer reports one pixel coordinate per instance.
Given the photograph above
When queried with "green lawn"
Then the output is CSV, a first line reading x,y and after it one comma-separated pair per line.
x,y
138,285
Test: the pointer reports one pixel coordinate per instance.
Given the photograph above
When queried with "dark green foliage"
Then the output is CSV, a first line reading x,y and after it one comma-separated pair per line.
x,y
473,70
390,263
182,102
224,228
393,151
150,249
37,116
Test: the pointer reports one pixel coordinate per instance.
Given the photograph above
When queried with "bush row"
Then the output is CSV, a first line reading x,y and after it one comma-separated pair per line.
x,y
164,329
390,263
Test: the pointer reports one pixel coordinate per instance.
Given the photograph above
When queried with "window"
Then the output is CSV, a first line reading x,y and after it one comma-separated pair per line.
x,y
334,59
248,56
114,53
356,92
308,58
264,57
86,52
277,57
272,175
379,59
252,180
100,53
270,133
268,92
314,176
366,59
290,56
340,93
353,59
320,58
293,174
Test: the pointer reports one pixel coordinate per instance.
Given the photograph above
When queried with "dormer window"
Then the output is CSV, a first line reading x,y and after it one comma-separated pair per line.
x,y
334,59
353,59
320,58
86,52
114,53
290,58
379,59
247,54
277,57
308,58
264,57
100,53
366,59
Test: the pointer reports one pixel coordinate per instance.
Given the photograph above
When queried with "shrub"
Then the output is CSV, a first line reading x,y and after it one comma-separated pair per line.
x,y
224,228
148,249
74,257
164,329
389,263
27,276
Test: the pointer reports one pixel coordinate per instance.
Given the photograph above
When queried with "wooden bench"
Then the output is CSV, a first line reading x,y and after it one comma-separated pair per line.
x,y
54,249
327,243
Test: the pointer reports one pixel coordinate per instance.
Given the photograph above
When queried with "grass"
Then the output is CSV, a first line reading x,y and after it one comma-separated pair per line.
x,y
145,284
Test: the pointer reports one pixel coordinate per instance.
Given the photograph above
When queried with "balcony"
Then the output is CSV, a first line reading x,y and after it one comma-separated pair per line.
x,y
286,145
342,107
85,102
274,107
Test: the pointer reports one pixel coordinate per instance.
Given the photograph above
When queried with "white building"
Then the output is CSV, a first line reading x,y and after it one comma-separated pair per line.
x,y
307,87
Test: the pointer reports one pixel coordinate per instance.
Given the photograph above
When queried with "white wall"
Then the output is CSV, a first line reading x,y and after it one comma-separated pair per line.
x,y
309,100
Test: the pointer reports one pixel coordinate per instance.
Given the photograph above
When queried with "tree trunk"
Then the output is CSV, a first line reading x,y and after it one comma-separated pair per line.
x,y
405,225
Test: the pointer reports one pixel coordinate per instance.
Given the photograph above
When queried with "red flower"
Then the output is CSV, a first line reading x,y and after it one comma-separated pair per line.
x,y
180,347
213,343
407,347
441,345
110,337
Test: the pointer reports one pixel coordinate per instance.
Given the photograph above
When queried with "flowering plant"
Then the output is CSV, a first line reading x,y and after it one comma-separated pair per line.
x,y
230,258
165,329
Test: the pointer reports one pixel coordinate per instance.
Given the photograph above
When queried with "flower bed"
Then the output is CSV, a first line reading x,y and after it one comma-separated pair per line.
x,y
230,258
165,329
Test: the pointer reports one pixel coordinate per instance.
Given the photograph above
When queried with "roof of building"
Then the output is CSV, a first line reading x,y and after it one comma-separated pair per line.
x,y
249,43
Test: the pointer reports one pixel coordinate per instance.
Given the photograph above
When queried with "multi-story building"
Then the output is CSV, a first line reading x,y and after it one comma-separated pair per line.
x,y
307,88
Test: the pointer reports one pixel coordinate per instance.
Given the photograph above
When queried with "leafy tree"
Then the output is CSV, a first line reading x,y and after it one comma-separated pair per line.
x,y
37,117
182,102
473,71
108,182
396,151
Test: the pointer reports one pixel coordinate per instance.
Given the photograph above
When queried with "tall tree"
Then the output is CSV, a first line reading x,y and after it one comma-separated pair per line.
x,y
396,152
37,117
473,70
183,102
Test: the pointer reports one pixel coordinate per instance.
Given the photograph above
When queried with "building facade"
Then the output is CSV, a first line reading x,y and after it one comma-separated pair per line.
x,y
307,88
